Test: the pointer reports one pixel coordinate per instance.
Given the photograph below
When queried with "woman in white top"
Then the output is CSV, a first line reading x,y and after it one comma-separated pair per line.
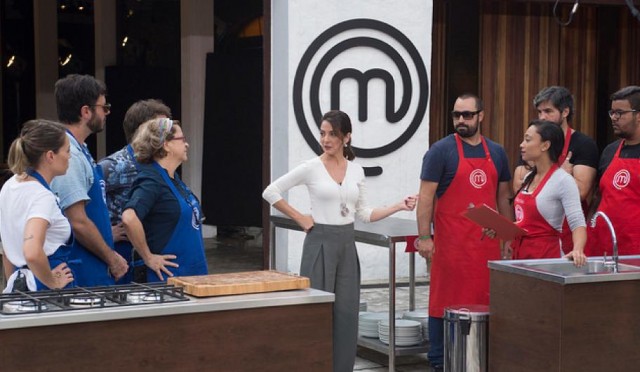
x,y
329,258
33,229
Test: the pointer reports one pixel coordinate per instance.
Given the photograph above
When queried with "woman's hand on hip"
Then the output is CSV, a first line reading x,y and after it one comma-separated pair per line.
x,y
306,222
62,276
159,262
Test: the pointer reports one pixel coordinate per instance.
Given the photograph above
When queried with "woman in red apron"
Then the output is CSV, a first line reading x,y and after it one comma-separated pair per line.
x,y
542,146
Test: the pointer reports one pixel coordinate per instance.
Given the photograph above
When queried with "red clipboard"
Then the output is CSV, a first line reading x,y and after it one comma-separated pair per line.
x,y
488,217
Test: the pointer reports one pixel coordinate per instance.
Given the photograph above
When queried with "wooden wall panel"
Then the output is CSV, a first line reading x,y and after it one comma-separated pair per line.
x,y
438,112
523,49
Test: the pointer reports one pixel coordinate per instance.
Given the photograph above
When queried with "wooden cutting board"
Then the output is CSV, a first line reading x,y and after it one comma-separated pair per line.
x,y
239,283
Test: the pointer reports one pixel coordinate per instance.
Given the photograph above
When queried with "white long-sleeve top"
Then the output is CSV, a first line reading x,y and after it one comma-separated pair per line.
x,y
325,193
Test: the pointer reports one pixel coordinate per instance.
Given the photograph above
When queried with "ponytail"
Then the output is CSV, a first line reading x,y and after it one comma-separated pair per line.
x,y
348,151
36,138
17,159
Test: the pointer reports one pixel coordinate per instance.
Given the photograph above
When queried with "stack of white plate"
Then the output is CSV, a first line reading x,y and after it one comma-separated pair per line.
x,y
368,323
422,316
408,332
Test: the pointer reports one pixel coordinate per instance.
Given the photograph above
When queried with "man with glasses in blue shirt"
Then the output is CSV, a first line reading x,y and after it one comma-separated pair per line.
x,y
83,109
461,169
619,187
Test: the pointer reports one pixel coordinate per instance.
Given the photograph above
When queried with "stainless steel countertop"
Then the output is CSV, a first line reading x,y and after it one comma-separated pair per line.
x,y
194,305
520,267
381,233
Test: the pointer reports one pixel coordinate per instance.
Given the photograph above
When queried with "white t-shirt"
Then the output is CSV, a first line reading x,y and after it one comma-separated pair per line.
x,y
325,193
22,201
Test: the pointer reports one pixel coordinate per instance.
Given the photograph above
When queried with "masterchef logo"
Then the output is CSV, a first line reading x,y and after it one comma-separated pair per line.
x,y
356,65
478,178
621,179
519,213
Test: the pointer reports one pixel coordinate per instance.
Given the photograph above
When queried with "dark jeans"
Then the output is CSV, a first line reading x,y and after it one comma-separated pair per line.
x,y
436,341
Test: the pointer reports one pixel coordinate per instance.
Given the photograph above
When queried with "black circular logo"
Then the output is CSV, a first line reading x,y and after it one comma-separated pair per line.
x,y
362,78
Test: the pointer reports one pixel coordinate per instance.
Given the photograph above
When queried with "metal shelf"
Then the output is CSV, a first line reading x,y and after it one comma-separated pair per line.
x,y
384,233
381,347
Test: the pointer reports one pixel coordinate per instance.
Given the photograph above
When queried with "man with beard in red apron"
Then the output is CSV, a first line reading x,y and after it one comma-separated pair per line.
x,y
461,169
619,187
579,156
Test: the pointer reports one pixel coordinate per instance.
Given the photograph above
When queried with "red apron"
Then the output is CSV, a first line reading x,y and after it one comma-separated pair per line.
x,y
566,237
542,240
459,272
620,194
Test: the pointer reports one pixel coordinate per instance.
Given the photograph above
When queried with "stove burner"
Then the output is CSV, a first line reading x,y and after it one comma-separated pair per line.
x,y
23,306
142,297
134,294
85,301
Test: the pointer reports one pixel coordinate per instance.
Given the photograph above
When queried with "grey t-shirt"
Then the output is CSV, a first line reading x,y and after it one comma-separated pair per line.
x,y
558,197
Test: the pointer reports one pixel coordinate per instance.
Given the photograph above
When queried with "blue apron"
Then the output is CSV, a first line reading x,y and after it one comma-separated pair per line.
x,y
125,248
186,241
93,271
62,253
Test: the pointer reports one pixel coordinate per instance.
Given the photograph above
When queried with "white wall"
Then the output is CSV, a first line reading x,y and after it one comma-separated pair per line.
x,y
296,24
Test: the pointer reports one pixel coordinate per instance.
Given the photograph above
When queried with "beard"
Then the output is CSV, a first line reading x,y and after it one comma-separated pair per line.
x,y
467,131
96,124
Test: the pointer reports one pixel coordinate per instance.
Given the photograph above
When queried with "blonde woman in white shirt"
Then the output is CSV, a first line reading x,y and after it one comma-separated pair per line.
x,y
35,233
337,190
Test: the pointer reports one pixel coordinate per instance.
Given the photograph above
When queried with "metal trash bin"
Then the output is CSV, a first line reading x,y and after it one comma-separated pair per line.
x,y
466,338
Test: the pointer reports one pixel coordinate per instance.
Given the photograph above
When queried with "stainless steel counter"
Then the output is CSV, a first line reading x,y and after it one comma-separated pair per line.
x,y
384,233
560,270
195,305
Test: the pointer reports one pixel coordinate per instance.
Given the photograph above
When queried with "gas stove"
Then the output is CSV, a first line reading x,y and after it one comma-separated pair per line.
x,y
91,297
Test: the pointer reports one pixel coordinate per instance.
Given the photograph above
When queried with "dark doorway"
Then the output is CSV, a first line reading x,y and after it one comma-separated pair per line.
x,y
233,118
232,156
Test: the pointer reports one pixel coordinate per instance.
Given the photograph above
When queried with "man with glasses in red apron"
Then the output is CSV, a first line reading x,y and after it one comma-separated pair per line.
x,y
461,169
619,187
579,156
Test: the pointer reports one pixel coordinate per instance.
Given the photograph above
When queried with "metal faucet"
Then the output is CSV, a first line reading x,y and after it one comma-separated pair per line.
x,y
613,237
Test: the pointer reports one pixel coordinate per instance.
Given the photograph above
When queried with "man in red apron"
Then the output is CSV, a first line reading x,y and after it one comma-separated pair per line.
x,y
619,186
579,156
461,169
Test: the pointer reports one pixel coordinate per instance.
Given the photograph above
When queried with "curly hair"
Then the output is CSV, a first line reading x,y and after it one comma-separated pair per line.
x,y
148,141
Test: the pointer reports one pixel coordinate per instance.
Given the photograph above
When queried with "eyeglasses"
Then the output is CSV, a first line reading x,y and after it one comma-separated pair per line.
x,y
466,115
183,138
106,107
615,114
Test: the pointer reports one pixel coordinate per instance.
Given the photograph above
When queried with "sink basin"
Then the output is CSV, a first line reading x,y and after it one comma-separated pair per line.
x,y
567,268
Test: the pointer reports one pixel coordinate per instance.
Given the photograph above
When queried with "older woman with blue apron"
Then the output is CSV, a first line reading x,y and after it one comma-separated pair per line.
x,y
163,217
35,233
